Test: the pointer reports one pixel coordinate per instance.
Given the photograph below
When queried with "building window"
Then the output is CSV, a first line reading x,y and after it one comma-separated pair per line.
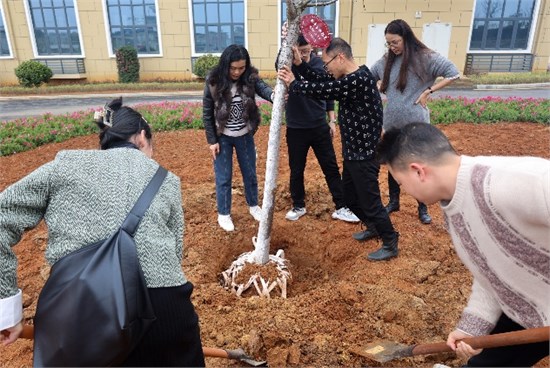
x,y
326,13
502,25
134,23
55,27
5,49
217,24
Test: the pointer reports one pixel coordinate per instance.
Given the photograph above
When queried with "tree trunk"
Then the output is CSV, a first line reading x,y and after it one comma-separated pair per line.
x,y
261,243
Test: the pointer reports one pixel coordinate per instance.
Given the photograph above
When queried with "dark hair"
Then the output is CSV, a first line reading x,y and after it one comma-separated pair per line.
x,y
119,123
413,55
339,46
219,76
415,141
302,40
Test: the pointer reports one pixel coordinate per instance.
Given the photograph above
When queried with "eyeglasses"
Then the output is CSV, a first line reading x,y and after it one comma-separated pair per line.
x,y
325,66
394,43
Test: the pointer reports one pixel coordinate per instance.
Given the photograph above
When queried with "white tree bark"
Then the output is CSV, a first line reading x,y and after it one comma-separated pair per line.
x,y
262,241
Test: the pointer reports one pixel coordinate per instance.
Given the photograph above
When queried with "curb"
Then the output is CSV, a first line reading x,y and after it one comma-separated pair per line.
x,y
512,86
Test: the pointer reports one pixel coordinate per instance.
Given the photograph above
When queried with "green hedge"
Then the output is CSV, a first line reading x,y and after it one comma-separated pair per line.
x,y
204,64
127,63
32,73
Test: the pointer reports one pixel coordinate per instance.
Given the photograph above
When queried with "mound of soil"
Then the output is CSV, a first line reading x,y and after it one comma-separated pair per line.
x,y
337,298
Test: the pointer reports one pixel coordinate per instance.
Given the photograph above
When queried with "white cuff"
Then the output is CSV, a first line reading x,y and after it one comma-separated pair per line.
x,y
464,332
11,310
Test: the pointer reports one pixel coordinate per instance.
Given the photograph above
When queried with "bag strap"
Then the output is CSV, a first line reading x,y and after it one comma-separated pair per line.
x,y
133,219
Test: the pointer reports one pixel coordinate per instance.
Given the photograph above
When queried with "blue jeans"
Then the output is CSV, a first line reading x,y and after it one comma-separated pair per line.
x,y
223,169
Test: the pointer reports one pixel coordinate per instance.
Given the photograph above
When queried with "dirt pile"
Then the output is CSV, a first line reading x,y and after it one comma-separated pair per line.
x,y
337,299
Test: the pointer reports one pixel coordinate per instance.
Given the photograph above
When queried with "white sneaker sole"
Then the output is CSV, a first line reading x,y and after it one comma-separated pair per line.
x,y
336,217
294,218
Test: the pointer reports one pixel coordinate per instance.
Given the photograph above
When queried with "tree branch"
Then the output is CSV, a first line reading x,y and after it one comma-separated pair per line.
x,y
320,3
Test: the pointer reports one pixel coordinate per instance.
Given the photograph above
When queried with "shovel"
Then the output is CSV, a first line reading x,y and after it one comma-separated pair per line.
x,y
237,354
384,351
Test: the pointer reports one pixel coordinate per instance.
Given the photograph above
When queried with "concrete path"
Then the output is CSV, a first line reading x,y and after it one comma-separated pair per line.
x,y
28,106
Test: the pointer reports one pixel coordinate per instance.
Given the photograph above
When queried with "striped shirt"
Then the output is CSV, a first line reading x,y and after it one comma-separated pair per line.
x,y
499,220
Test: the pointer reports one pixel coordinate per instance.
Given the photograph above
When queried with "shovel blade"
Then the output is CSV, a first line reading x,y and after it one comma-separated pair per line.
x,y
254,363
240,355
383,351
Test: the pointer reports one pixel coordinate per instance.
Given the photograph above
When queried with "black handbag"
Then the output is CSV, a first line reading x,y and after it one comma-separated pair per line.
x,y
95,308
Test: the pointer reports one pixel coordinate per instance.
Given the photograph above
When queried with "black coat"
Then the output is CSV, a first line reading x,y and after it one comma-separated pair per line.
x,y
216,107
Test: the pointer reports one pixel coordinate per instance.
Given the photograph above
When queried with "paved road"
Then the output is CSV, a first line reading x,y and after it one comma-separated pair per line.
x,y
13,108
17,107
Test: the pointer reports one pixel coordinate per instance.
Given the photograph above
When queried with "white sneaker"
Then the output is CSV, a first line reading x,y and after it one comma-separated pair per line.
x,y
226,223
344,214
256,212
295,213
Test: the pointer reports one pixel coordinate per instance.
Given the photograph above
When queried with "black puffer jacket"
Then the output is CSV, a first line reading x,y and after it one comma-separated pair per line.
x,y
215,107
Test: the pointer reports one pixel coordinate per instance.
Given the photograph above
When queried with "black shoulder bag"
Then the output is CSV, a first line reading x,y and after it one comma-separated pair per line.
x,y
95,308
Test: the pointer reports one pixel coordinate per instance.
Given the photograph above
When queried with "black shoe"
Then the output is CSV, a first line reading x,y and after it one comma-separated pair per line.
x,y
365,235
389,250
393,206
423,214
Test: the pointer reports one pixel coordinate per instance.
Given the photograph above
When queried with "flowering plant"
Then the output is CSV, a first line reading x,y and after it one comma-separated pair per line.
x,y
27,133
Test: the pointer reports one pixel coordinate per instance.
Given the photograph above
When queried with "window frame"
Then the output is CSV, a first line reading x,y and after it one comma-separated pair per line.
x,y
10,49
30,24
281,15
192,30
109,38
530,42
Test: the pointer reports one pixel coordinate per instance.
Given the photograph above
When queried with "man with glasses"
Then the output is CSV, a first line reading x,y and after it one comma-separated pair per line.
x,y
360,120
306,127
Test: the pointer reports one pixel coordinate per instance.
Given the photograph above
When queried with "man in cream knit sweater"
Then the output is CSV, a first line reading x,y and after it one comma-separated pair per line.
x,y
497,211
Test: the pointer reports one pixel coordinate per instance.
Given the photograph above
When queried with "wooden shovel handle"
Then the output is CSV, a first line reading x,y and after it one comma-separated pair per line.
x,y
215,352
28,333
527,336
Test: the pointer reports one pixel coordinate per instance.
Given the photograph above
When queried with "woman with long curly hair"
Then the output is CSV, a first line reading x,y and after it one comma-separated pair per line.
x,y
231,118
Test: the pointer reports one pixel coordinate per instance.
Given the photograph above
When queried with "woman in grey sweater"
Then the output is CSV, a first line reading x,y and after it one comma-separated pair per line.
x,y
83,196
408,72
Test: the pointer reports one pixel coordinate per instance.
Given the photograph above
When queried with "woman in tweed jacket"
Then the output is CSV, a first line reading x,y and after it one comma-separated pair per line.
x,y
83,196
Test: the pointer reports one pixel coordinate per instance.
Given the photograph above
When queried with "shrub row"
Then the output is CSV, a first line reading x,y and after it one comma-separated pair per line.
x,y
32,73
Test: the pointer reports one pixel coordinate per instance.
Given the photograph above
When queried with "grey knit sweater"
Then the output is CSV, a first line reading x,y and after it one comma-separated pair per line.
x,y
84,196
400,109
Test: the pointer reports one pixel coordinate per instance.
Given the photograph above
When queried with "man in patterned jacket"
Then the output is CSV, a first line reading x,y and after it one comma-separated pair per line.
x,y
497,211
360,120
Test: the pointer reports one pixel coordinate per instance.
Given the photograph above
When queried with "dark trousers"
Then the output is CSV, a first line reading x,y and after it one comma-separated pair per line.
x,y
299,141
362,195
510,356
174,338
395,190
